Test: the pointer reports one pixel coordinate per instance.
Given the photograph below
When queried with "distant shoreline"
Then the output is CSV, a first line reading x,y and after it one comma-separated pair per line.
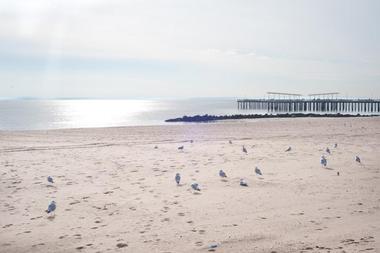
x,y
211,118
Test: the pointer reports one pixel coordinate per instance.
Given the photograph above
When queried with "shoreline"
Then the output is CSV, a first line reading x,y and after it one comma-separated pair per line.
x,y
179,123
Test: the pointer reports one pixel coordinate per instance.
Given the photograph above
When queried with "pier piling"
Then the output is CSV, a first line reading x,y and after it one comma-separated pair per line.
x,y
311,105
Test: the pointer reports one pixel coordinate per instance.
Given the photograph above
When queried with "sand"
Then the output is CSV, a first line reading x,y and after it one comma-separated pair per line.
x,y
116,193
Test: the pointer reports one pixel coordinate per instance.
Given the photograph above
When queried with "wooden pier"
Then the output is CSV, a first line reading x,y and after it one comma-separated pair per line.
x,y
311,105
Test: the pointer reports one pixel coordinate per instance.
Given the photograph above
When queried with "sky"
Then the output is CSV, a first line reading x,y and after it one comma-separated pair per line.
x,y
182,48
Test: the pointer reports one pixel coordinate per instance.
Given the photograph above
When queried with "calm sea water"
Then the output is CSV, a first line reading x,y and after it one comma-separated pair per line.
x,y
56,114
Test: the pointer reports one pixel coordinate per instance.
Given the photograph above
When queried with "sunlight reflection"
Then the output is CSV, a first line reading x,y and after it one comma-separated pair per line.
x,y
101,113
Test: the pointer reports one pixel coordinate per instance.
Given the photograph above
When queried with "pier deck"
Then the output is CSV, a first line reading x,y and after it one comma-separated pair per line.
x,y
311,105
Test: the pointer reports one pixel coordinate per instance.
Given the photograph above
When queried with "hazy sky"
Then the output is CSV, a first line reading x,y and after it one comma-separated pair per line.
x,y
192,48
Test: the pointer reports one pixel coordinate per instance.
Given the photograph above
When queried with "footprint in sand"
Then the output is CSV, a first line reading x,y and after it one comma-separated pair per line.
x,y
74,202
199,243
121,245
34,218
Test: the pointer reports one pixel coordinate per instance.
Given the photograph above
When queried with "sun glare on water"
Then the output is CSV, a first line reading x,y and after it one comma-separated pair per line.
x,y
101,113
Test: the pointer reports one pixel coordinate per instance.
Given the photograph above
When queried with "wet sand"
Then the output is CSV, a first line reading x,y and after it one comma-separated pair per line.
x,y
116,192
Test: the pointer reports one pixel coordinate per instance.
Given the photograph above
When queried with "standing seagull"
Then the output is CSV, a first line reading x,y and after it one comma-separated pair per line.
x,y
243,182
323,161
328,151
336,145
50,179
288,149
245,150
51,208
177,178
357,159
258,171
230,141
180,148
222,173
195,187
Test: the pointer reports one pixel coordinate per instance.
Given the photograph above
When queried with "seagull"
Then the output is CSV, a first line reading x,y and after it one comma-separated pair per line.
x,y
191,141
324,161
290,148
357,158
328,151
155,147
222,173
336,145
195,187
245,150
258,171
180,148
50,179
337,173
230,141
243,182
177,178
51,208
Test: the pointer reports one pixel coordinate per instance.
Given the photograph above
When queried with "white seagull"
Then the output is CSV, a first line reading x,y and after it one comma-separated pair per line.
x,y
222,173
51,208
243,182
258,171
195,187
50,179
323,161
177,178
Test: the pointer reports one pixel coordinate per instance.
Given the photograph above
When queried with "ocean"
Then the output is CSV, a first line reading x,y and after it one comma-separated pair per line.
x,y
30,114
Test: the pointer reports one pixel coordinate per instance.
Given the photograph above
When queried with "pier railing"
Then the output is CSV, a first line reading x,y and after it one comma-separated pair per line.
x,y
311,105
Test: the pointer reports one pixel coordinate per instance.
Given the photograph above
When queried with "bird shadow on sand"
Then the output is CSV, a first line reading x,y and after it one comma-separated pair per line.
x,y
328,168
51,218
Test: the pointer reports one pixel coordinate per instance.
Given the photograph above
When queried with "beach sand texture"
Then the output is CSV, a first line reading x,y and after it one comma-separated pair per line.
x,y
116,193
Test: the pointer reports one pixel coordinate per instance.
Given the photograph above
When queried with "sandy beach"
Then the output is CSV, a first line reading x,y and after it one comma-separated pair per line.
x,y
116,192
